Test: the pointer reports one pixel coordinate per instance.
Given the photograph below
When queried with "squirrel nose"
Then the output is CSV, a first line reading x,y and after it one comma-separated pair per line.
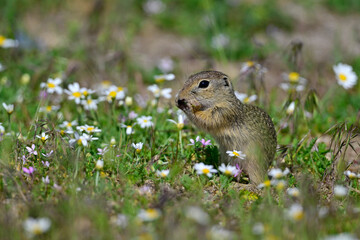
x,y
181,103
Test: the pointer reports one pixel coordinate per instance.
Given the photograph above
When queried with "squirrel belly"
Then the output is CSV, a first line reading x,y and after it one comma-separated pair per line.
x,y
209,102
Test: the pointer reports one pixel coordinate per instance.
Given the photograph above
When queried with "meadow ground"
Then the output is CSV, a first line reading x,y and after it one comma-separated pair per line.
x,y
92,146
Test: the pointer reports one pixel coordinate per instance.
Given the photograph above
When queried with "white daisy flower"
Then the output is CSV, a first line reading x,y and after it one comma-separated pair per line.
x,y
163,77
129,129
114,93
82,140
197,214
279,184
220,41
294,192
218,232
74,92
294,78
228,170
293,81
138,146
351,174
35,226
8,43
52,85
88,129
165,92
45,180
68,125
43,136
154,7
180,123
244,98
291,108
49,109
8,108
2,129
340,191
341,236
201,168
149,214
246,66
295,212
89,103
258,228
345,75
99,164
287,86
267,184
128,101
86,92
277,173
236,154
163,173
166,65
121,220
145,121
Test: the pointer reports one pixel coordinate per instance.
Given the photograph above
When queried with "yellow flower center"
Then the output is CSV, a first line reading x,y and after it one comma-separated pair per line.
x,y
138,150
2,40
180,126
352,175
51,85
159,79
62,132
280,186
89,101
48,108
205,171
90,129
79,141
267,183
342,77
250,63
76,94
85,93
145,120
43,138
112,94
298,215
163,174
152,213
227,172
278,175
69,124
236,154
106,83
37,229
294,77
246,100
120,89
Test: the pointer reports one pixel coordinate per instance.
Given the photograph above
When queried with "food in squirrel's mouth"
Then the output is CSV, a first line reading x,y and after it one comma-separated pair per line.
x,y
182,104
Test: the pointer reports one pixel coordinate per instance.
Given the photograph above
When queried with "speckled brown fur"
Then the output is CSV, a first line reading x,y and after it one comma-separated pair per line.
x,y
235,126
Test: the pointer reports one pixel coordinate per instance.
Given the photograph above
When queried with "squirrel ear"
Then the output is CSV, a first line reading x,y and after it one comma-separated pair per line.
x,y
227,82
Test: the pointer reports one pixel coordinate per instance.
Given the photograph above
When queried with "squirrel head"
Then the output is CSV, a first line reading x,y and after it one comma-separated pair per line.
x,y
206,98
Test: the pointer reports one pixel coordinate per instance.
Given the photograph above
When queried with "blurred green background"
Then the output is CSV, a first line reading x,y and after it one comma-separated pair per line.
x,y
113,40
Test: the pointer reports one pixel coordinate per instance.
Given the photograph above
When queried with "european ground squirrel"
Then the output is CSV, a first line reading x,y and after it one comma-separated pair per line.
x,y
208,100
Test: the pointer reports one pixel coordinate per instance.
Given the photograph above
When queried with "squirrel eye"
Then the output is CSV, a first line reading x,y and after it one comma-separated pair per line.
x,y
204,84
